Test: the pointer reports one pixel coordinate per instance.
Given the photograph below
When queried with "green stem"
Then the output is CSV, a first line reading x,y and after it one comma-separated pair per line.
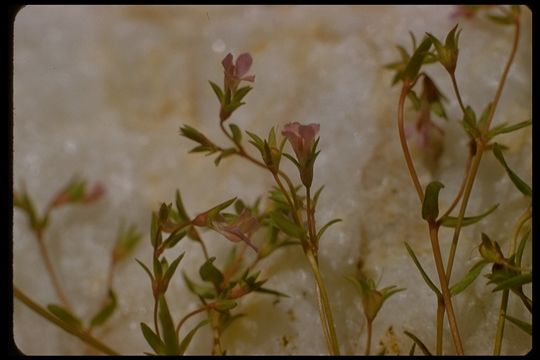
x,y
458,94
434,236
325,312
500,324
88,339
156,317
464,202
50,269
410,165
440,323
369,333
214,318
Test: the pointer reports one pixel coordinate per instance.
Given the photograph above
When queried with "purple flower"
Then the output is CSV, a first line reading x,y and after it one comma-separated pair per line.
x,y
301,138
240,229
234,73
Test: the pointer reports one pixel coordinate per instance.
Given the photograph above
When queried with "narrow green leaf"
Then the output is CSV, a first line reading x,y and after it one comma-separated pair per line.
x,y
158,269
175,237
417,59
323,229
522,186
217,91
170,271
167,325
286,226
256,141
469,278
270,291
520,324
106,311
163,213
504,128
153,340
521,247
225,304
514,282
187,339
430,207
146,269
419,343
292,159
180,206
422,272
65,315
451,221
316,196
205,292
241,93
209,272
236,133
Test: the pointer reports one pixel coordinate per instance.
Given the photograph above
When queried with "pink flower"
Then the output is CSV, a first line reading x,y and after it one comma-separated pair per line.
x,y
240,229
97,192
236,73
301,138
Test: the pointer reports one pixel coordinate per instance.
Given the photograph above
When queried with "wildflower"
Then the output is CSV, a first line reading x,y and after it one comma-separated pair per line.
x,y
302,139
240,229
234,73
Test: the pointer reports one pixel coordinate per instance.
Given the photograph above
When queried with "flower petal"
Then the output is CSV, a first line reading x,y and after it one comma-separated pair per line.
x,y
243,64
227,63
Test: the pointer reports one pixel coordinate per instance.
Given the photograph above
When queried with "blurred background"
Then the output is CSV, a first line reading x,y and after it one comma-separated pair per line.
x,y
101,91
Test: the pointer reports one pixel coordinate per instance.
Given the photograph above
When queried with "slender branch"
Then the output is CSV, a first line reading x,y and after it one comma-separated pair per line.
x,y
433,234
461,188
50,269
156,317
440,323
216,348
458,94
324,307
504,300
500,324
311,219
410,165
185,318
369,333
87,338
464,202
505,73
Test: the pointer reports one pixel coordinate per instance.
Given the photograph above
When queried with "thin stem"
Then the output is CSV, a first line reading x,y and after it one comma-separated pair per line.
x,y
434,237
214,318
156,317
458,94
464,202
500,324
185,318
410,165
311,219
505,73
50,269
327,321
504,300
368,341
110,276
461,188
87,338
440,323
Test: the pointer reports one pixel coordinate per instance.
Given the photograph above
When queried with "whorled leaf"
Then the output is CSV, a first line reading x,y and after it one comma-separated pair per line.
x,y
187,339
469,278
451,221
418,342
153,340
210,273
521,185
525,326
65,315
425,276
106,310
167,326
